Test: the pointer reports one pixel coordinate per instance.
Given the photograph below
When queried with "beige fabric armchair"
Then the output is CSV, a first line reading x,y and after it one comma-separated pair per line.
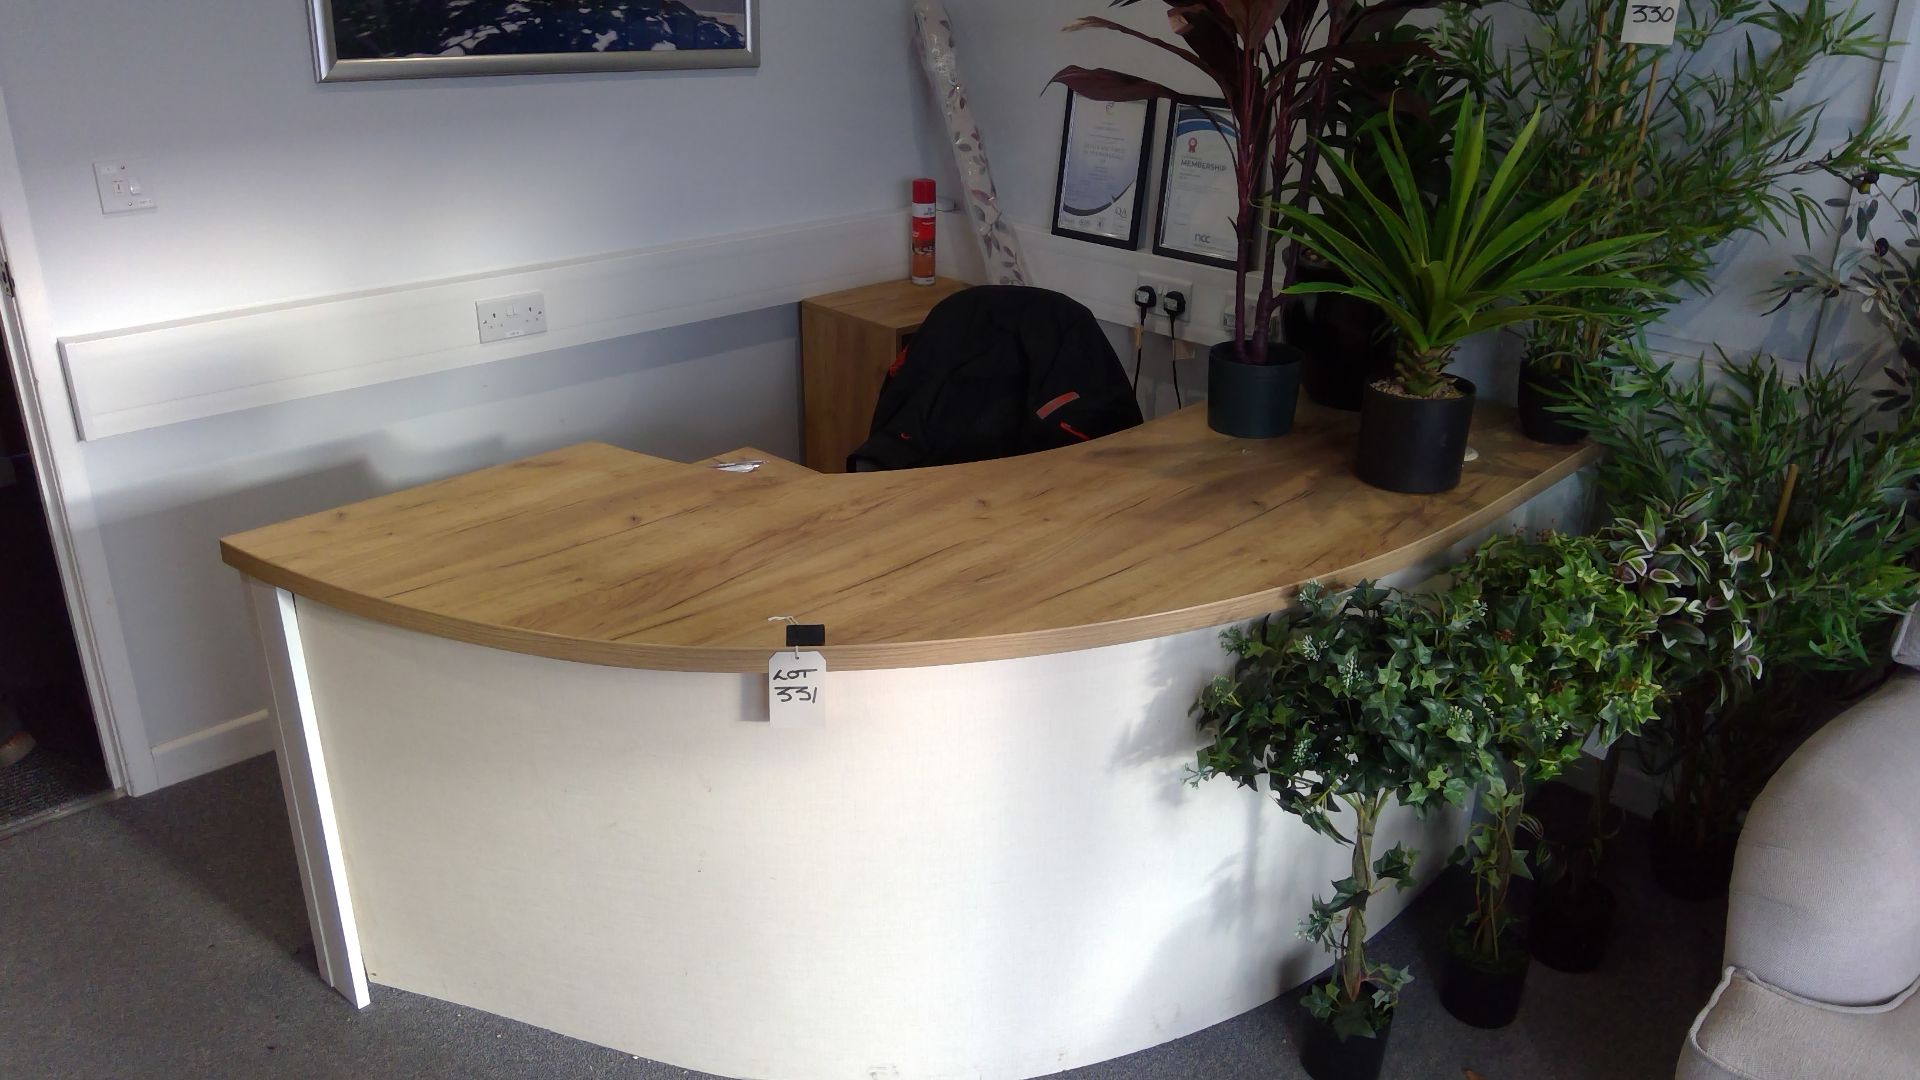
x,y
1823,923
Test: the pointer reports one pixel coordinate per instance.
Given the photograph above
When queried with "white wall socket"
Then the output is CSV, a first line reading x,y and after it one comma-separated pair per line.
x,y
512,317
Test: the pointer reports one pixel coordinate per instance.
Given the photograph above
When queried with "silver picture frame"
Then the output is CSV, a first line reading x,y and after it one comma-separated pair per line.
x,y
329,67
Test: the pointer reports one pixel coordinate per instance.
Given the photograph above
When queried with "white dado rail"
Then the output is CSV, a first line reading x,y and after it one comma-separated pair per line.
x,y
143,377
165,373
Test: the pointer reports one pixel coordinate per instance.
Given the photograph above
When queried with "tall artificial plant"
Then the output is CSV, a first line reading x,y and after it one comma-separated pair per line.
x,y
1698,142
1821,482
1342,705
1480,256
1280,66
1565,647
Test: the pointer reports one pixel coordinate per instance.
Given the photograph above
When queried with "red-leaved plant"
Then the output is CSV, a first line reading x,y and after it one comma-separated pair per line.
x,y
1279,65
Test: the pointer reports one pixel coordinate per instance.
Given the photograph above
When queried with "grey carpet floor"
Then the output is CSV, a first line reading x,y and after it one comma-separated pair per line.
x,y
44,782
165,937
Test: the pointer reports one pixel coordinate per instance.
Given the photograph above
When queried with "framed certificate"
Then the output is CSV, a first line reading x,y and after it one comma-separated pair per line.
x,y
1199,197
1103,171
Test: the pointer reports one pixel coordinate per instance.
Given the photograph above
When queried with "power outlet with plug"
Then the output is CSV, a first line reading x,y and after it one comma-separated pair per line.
x,y
1162,285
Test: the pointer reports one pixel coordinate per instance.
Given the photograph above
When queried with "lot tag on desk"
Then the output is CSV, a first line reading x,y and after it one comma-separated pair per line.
x,y
1650,23
794,684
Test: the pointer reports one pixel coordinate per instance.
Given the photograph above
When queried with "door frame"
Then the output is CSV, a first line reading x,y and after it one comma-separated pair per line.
x,y
32,351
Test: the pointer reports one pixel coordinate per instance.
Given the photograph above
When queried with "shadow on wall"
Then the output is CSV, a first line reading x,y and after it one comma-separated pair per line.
x,y
1258,894
165,497
1255,895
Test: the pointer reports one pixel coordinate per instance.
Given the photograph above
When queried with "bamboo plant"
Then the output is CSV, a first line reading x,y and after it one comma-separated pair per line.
x,y
1697,142
1822,483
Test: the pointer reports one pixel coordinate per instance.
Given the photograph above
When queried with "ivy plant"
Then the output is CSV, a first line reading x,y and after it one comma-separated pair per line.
x,y
1340,706
1564,646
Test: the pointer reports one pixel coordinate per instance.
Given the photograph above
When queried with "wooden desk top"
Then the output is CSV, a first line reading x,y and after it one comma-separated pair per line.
x,y
604,556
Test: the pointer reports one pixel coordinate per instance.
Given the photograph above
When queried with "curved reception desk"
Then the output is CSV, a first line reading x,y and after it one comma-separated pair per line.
x,y
523,733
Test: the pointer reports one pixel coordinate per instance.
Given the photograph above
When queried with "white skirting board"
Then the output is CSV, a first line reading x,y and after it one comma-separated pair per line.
x,y
148,376
213,748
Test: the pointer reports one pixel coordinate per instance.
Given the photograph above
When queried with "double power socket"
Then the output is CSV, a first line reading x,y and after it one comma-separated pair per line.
x,y
511,317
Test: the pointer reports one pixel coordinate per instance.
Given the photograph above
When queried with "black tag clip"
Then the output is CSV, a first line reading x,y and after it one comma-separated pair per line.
x,y
806,635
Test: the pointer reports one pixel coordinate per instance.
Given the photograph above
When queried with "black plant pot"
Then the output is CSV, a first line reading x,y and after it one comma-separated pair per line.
x,y
1345,342
1541,388
1483,994
1252,401
1327,1056
1687,870
1414,445
1570,930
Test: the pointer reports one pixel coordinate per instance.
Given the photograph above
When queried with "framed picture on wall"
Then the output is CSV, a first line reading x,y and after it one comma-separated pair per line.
x,y
1100,194
1199,198
415,39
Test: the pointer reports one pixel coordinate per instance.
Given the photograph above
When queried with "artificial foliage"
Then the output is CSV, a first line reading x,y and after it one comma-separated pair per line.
x,y
1822,480
1288,70
1564,645
1699,142
1341,705
1879,269
1481,255
1809,464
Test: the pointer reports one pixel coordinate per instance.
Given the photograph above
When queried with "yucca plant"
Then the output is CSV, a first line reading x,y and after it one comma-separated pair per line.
x,y
1477,258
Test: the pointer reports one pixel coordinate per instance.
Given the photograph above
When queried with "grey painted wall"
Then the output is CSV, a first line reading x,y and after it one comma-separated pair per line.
x,y
272,187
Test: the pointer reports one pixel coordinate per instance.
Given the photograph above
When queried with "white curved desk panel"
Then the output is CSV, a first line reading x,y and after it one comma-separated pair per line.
x,y
979,870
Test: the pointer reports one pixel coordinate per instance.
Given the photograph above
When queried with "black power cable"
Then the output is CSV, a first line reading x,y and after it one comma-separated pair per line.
x,y
1174,304
1144,298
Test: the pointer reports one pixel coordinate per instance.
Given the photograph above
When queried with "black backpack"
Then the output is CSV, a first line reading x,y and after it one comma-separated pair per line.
x,y
994,372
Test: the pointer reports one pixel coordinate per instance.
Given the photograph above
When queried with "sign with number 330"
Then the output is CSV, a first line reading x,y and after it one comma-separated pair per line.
x,y
1650,24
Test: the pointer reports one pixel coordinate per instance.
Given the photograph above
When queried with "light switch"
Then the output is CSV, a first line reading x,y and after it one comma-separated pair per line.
x,y
123,187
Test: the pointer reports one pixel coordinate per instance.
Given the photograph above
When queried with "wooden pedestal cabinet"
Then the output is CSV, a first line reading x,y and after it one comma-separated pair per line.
x,y
847,342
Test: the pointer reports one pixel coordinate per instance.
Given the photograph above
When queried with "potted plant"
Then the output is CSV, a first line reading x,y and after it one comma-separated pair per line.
x,y
1821,482
1347,343
1703,582
1276,63
1722,107
1562,651
1341,705
1443,270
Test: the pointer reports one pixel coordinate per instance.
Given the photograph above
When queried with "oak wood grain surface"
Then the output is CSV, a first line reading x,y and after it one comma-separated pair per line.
x,y
605,556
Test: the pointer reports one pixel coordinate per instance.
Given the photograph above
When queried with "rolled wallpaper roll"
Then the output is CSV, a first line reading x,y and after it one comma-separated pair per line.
x,y
933,31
